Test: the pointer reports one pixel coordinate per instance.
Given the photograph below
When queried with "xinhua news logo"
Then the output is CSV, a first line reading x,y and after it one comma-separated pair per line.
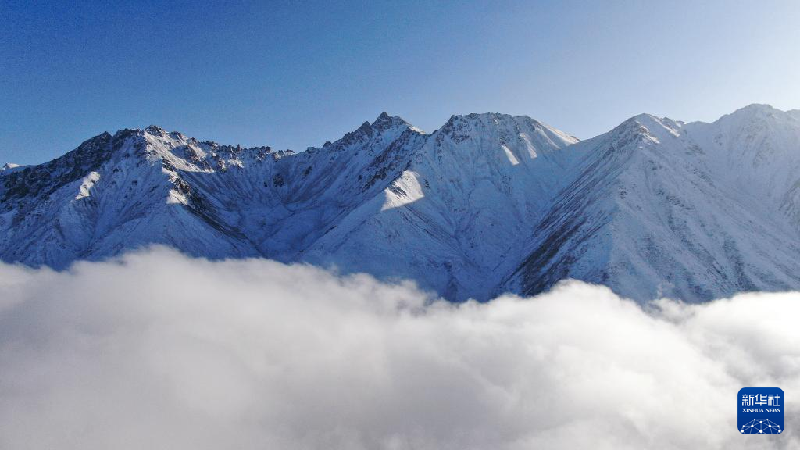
x,y
760,410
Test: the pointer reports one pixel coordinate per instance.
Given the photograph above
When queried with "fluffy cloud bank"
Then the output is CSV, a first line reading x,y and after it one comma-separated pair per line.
x,y
161,351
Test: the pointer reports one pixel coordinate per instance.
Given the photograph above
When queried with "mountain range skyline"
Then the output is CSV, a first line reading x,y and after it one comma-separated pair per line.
x,y
488,203
294,75
795,111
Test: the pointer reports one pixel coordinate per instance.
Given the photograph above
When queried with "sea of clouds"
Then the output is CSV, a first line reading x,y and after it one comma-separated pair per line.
x,y
160,351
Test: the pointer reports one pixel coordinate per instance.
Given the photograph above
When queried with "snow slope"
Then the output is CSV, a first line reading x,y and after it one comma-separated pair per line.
x,y
488,203
461,209
693,211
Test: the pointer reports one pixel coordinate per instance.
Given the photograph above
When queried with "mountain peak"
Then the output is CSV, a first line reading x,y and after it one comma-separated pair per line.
x,y
490,119
384,125
656,122
155,129
494,119
483,117
385,121
462,127
760,116
756,111
757,108
8,166
650,126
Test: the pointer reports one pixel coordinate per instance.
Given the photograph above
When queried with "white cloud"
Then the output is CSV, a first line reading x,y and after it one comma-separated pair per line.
x,y
161,351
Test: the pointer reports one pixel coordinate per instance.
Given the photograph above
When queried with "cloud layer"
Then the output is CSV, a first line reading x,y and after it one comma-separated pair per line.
x,y
157,350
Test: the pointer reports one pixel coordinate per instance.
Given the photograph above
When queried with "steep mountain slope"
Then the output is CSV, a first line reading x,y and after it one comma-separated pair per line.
x,y
110,194
486,204
144,187
756,152
693,211
462,208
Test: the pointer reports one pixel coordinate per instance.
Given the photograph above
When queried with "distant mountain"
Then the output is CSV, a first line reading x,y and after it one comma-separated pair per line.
x,y
489,203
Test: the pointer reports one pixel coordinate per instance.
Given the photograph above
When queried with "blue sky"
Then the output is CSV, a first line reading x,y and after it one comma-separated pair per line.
x,y
295,74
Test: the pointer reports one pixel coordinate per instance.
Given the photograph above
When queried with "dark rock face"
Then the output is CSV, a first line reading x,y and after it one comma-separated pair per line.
x,y
40,181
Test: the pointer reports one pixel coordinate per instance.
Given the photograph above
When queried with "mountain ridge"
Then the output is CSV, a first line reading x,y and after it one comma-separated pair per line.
x,y
488,203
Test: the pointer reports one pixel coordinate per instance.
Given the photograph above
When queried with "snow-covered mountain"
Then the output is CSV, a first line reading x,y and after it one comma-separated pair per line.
x,y
486,204
694,211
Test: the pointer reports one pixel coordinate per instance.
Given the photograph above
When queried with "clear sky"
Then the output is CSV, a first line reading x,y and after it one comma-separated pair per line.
x,y
295,74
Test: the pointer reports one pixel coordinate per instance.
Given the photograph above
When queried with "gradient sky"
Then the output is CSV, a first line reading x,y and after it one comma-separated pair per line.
x,y
295,74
